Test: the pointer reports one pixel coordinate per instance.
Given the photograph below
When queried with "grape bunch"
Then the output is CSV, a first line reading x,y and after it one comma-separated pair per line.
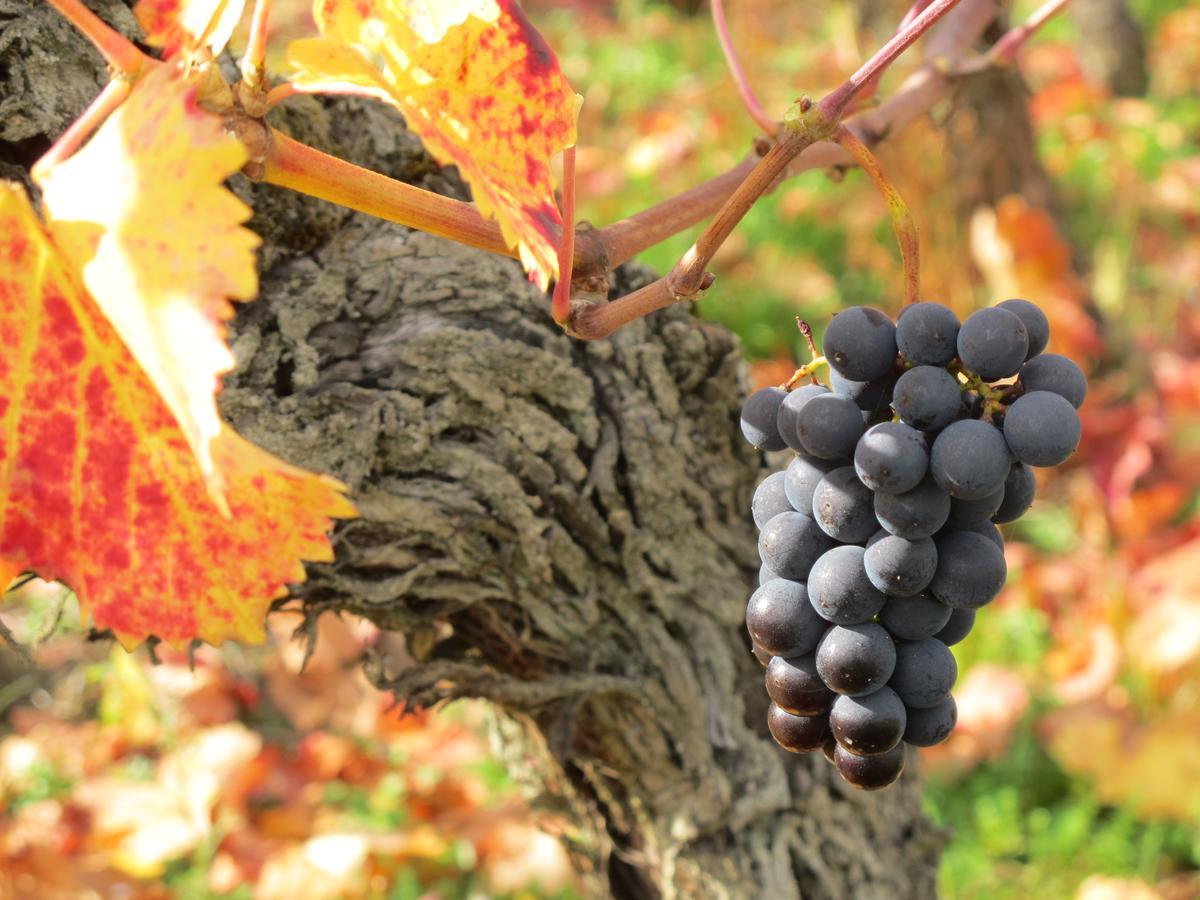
x,y
878,541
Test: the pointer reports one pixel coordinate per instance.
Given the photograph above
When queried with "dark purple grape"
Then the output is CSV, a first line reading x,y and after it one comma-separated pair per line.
x,y
870,773
790,543
927,397
789,412
860,343
925,672
1020,487
765,574
1037,326
964,513
856,659
758,419
829,426
992,343
987,529
764,658
927,334
927,727
1056,374
781,619
801,478
1042,428
799,734
795,686
914,514
839,589
900,567
828,748
769,499
970,459
914,618
868,725
843,507
869,396
959,626
891,458
970,572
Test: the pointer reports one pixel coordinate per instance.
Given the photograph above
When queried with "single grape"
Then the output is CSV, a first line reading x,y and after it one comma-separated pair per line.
x,y
1056,374
870,773
770,499
987,529
843,507
765,574
798,734
1042,428
964,513
927,398
828,748
829,426
801,478
860,343
789,411
1020,487
992,343
839,590
958,627
914,514
781,619
970,459
891,458
1037,326
925,672
900,567
856,659
870,396
790,543
914,618
927,334
758,419
795,686
971,570
930,726
868,725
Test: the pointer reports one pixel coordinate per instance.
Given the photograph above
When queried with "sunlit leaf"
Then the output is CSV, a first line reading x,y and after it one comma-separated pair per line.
x,y
476,81
188,25
100,488
143,209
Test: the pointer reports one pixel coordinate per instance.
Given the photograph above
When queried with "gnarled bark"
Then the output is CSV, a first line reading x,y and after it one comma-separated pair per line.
x,y
561,528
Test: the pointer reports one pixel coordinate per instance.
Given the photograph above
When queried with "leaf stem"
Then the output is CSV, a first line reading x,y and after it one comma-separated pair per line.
x,y
81,129
256,46
753,107
561,304
281,92
903,222
1004,51
834,105
294,165
117,50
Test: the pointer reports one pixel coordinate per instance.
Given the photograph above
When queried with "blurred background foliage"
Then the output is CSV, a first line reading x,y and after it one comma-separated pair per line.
x,y
1075,769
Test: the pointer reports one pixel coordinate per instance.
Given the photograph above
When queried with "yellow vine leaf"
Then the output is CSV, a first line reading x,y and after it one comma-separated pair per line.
x,y
188,25
476,81
143,209
99,487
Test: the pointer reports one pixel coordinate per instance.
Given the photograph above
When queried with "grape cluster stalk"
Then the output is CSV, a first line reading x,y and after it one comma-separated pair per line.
x,y
878,541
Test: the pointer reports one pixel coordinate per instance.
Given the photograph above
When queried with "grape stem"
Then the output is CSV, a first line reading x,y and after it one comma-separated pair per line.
x,y
805,371
753,107
903,222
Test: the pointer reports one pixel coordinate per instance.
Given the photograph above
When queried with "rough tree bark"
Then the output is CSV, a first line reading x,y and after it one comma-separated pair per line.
x,y
560,528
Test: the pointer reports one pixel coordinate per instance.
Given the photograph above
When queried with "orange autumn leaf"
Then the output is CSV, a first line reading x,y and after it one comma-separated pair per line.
x,y
188,25
99,486
476,81
143,210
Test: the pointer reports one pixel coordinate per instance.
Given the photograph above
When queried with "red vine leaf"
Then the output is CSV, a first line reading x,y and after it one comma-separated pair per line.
x,y
476,81
99,487
188,25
